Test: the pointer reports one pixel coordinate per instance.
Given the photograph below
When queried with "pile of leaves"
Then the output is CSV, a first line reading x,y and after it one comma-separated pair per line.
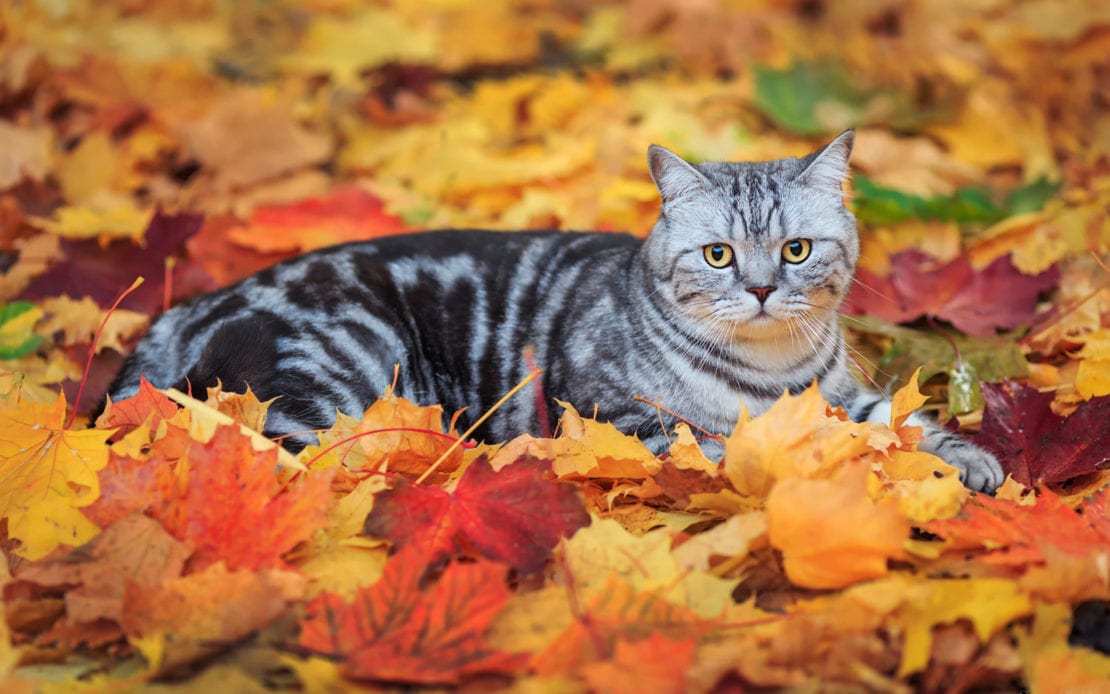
x,y
167,544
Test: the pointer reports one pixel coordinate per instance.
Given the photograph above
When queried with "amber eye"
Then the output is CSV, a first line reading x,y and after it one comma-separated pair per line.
x,y
718,255
796,251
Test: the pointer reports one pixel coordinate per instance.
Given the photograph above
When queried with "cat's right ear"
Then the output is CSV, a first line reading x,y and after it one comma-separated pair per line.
x,y
674,176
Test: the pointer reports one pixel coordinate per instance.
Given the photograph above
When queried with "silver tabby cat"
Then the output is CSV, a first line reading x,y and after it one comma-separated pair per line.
x,y
731,298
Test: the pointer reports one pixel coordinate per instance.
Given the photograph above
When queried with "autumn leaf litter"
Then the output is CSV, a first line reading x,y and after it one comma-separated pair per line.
x,y
170,542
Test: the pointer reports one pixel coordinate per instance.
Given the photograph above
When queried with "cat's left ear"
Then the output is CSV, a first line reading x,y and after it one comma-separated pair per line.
x,y
674,176
829,166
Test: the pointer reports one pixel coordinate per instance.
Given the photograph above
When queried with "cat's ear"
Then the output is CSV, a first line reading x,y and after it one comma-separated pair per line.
x,y
829,166
674,176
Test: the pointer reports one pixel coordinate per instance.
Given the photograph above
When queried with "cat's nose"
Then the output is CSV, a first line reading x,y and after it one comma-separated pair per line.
x,y
761,293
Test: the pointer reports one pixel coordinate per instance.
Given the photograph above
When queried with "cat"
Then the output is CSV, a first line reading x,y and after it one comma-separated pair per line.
x,y
731,298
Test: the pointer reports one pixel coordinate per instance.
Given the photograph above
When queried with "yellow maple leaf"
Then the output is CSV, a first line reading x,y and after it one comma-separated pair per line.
x,y
796,437
820,554
79,319
988,603
606,551
46,474
584,447
118,221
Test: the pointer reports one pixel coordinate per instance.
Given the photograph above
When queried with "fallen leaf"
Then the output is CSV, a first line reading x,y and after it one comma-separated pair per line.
x,y
394,631
47,473
1037,446
17,324
605,551
655,664
135,549
513,516
348,213
1011,534
257,520
976,302
198,615
79,320
250,136
857,548
104,272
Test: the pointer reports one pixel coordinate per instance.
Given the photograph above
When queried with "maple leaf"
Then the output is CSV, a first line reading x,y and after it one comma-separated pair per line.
x,y
1010,534
80,320
147,405
250,136
257,519
585,448
347,213
198,615
136,549
394,631
796,437
856,548
613,614
102,272
976,302
47,473
605,551
515,516
655,664
396,446
1037,446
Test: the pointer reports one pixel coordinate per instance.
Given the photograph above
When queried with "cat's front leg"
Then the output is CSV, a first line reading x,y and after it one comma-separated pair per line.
x,y
978,467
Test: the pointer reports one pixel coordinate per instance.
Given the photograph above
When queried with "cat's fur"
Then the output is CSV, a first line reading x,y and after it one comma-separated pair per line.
x,y
609,316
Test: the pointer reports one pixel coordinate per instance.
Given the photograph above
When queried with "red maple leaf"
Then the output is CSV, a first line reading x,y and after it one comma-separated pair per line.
x,y
233,508
515,516
1034,444
976,302
1014,534
396,632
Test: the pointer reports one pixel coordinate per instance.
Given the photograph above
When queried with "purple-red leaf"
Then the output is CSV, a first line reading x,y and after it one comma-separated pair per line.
x,y
1037,446
977,303
102,272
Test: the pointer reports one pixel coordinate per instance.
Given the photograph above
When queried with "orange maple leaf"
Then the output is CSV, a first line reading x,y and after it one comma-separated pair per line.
x,y
614,614
127,414
231,506
396,632
1011,534
655,664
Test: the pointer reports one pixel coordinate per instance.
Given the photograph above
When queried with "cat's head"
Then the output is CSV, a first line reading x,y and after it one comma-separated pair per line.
x,y
757,250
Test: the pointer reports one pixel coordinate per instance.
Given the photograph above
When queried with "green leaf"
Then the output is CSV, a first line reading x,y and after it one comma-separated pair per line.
x,y
791,97
876,204
822,98
989,359
17,321
1032,196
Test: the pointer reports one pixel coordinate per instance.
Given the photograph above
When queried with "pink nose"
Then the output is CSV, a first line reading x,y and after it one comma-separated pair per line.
x,y
761,293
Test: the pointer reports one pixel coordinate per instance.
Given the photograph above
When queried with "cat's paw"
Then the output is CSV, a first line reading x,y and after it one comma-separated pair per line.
x,y
979,469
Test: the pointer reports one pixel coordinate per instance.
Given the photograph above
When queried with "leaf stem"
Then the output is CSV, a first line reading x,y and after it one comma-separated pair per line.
x,y
92,348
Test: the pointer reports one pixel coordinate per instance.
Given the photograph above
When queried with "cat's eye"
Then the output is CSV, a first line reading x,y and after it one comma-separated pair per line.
x,y
718,255
796,251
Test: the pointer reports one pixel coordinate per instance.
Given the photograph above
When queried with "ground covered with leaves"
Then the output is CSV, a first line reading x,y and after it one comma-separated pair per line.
x,y
169,546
